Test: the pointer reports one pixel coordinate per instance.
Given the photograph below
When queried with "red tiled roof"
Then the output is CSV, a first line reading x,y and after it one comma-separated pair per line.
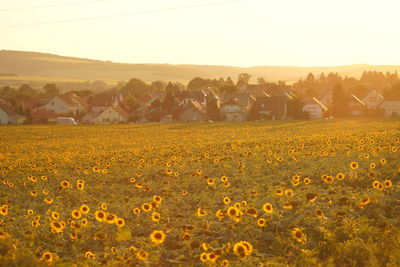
x,y
67,100
44,114
7,110
102,100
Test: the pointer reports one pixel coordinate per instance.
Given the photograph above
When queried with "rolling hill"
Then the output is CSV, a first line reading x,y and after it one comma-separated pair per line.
x,y
39,68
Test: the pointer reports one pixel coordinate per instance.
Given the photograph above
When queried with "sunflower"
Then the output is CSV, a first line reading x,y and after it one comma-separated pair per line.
x,y
155,217
383,161
157,199
387,183
100,215
248,247
56,227
261,222
132,180
111,218
289,192
65,184
34,193
157,237
55,215
76,214
224,179
204,257
84,222
84,209
210,181
80,186
376,184
30,212
340,176
233,212
90,255
319,213
307,180
120,222
47,257
287,206
220,214
146,207
35,223
201,212
103,206
48,200
278,192
364,202
299,235
354,165
99,236
268,208
252,212
227,200
372,165
311,197
168,171
227,184
136,211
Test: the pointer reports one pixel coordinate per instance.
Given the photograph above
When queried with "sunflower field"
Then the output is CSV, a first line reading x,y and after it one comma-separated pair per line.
x,y
284,193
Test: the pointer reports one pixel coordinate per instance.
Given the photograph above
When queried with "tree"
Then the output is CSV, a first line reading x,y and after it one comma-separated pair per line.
x,y
50,90
26,91
339,102
229,89
159,85
229,81
172,88
243,79
213,109
197,84
169,103
261,80
135,88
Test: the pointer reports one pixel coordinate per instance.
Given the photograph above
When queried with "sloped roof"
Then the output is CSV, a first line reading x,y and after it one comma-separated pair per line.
x,y
232,101
102,100
356,99
44,114
67,100
276,105
7,110
121,112
314,100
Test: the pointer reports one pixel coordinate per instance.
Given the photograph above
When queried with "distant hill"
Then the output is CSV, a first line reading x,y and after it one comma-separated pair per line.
x,y
41,67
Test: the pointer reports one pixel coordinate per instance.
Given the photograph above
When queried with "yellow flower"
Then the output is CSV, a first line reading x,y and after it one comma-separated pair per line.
x,y
268,208
201,212
155,217
354,165
261,222
157,237
47,257
84,209
298,235
142,255
76,214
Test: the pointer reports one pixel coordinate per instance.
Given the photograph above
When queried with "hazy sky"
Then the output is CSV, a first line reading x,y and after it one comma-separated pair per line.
x,y
240,33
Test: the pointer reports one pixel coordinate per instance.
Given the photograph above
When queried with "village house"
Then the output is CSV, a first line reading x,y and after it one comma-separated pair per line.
x,y
100,102
192,111
44,116
244,99
82,106
357,107
269,108
112,114
391,108
372,99
231,110
61,105
327,98
314,108
8,116
186,97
